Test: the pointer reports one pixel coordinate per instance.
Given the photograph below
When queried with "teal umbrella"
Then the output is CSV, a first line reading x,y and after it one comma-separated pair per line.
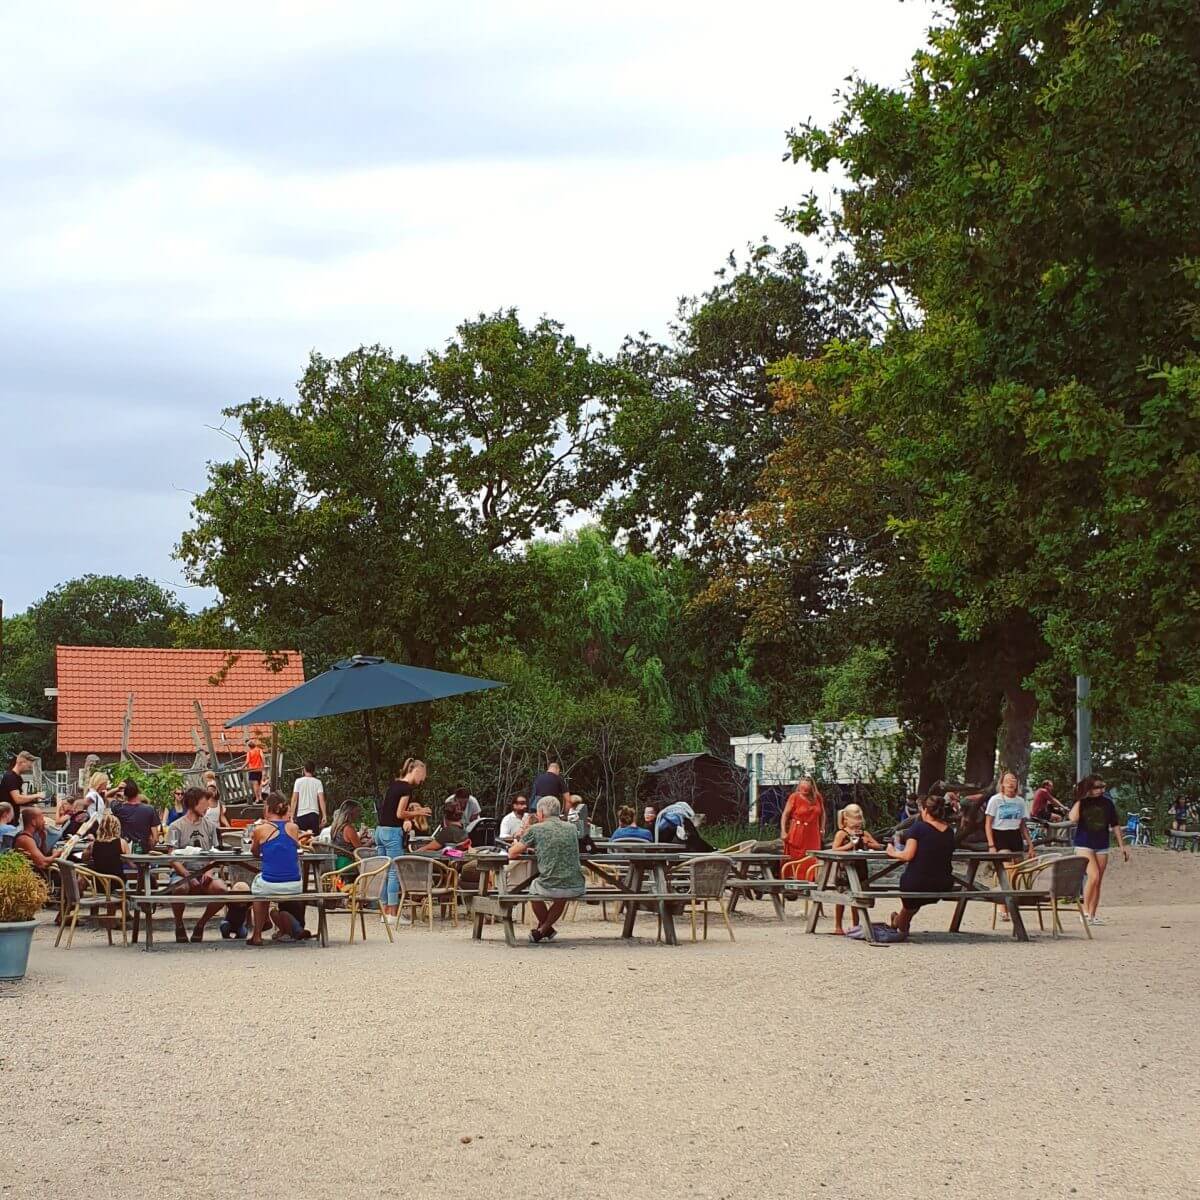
x,y
14,722
360,684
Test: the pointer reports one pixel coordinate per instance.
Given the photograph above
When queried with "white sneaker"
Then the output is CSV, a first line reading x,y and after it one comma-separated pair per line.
x,y
1096,921
402,920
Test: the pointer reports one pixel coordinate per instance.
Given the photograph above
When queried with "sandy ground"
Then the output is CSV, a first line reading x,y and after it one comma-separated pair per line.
x,y
782,1064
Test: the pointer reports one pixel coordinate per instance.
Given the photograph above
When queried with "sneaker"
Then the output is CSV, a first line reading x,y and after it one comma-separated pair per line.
x,y
403,919
535,937
1096,921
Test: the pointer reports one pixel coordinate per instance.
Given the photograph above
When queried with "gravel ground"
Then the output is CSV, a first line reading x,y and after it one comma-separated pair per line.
x,y
967,1066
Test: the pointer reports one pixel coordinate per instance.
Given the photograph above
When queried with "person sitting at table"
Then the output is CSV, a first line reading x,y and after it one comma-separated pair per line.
x,y
450,834
344,836
515,820
104,853
560,875
78,815
851,835
63,809
277,842
8,827
139,820
472,810
193,830
31,841
96,796
627,827
928,852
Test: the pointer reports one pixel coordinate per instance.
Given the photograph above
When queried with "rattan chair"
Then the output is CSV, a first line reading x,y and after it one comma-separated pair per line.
x,y
83,890
1062,876
363,888
424,882
707,875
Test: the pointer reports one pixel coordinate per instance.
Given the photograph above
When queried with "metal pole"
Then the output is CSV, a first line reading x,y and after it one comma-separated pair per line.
x,y
1083,727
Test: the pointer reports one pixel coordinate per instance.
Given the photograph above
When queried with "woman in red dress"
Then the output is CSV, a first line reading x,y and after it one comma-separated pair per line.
x,y
802,825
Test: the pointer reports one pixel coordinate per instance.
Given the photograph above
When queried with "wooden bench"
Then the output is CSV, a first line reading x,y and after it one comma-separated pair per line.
x,y
143,905
502,905
776,890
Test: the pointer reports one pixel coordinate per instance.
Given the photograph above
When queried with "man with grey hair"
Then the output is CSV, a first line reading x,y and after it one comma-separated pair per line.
x,y
555,845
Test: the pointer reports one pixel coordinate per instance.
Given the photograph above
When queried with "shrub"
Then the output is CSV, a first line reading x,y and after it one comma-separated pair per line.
x,y
22,892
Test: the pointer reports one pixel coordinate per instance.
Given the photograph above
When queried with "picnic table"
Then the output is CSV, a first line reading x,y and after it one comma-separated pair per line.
x,y
635,874
144,899
867,872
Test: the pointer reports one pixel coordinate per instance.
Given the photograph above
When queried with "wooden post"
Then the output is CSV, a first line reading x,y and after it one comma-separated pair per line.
x,y
126,725
206,733
276,765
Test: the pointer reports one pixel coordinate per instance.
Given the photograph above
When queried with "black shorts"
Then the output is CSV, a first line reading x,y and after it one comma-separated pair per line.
x,y
310,822
255,776
1008,839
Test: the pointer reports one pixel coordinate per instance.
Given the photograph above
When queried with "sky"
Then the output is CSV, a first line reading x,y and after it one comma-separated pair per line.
x,y
197,196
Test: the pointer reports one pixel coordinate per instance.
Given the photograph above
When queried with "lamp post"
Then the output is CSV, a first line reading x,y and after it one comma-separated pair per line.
x,y
1083,727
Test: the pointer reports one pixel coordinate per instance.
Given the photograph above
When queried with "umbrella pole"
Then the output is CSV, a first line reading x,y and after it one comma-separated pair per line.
x,y
374,761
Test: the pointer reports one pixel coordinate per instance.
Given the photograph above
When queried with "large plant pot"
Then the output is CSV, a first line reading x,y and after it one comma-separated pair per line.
x,y
15,939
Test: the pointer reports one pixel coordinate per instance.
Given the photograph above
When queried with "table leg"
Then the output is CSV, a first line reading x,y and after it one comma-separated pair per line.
x,y
741,871
636,872
149,943
961,907
665,906
815,910
322,927
858,882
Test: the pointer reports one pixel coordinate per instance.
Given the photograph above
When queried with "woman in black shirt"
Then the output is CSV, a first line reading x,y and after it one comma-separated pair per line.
x,y
929,852
398,808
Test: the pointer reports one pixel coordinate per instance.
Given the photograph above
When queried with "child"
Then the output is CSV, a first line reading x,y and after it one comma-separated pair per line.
x,y
236,915
851,835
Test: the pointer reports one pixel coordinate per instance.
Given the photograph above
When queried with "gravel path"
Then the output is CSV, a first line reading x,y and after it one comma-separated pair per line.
x,y
782,1064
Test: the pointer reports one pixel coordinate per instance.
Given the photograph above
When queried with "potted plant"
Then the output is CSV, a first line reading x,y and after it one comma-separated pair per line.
x,y
22,893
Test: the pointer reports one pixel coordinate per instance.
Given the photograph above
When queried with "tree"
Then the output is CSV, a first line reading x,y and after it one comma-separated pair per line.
x,y
694,439
1031,195
94,610
383,511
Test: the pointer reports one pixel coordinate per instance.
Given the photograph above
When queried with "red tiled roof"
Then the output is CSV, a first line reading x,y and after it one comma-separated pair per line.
x,y
94,683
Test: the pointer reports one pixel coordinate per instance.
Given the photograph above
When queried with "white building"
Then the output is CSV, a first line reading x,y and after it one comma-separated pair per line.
x,y
835,751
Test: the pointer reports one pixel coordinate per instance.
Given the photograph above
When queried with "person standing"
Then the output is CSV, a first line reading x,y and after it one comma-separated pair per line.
x,y
548,783
254,768
802,822
1095,817
398,806
308,801
1005,818
11,784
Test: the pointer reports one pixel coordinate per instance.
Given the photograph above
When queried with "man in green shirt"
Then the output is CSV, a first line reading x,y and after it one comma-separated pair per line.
x,y
555,845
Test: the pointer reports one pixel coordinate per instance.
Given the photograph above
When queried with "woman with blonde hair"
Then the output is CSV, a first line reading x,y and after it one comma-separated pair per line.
x,y
399,812
97,794
802,823
851,835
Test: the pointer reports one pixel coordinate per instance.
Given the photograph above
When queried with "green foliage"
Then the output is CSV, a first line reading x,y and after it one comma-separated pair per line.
x,y
94,610
22,892
158,786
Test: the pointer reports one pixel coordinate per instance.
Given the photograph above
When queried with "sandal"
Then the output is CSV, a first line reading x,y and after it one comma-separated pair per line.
x,y
181,936
197,935
256,944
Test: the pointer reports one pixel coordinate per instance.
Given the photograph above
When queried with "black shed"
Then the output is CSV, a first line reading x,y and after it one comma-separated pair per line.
x,y
715,787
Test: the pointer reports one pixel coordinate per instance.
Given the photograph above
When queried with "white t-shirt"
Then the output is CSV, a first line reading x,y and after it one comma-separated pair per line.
x,y
306,790
95,803
511,825
1007,812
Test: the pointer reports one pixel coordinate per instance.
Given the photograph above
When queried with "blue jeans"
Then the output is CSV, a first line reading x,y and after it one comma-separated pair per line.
x,y
389,839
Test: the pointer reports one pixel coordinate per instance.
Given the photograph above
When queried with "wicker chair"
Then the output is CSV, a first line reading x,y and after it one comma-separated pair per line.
x,y
1062,876
425,882
82,890
364,882
706,875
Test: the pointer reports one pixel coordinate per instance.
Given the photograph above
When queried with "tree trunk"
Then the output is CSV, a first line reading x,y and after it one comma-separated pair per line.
x,y
1020,710
935,741
983,732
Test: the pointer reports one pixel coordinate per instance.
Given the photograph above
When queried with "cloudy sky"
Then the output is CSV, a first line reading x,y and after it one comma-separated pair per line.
x,y
196,195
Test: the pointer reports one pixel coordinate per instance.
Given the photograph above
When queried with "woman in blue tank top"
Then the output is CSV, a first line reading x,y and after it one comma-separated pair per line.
x,y
277,842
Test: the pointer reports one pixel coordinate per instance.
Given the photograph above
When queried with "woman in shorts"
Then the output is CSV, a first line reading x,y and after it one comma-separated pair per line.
x,y
1095,817
928,852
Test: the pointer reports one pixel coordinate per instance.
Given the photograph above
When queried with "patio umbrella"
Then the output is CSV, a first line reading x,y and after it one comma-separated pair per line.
x,y
360,684
13,722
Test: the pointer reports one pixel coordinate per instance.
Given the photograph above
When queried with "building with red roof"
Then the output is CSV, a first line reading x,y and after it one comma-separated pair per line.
x,y
95,683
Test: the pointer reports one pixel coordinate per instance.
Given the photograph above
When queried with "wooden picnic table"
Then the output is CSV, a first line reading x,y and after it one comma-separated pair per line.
x,y
865,869
144,899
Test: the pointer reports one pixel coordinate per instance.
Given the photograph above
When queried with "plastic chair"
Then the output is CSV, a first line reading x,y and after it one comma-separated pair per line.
x,y
363,887
83,890
424,881
707,876
1063,879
